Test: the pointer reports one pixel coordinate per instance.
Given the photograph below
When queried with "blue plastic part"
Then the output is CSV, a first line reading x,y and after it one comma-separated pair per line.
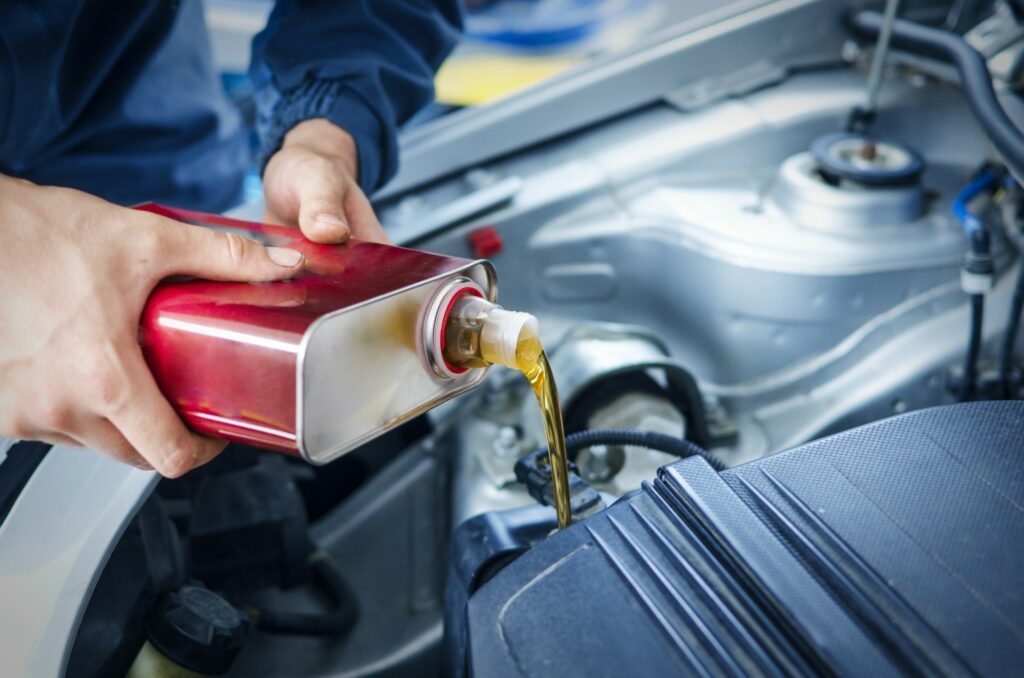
x,y
887,550
480,547
973,227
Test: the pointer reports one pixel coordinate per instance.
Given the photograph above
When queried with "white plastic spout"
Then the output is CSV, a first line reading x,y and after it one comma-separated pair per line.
x,y
501,334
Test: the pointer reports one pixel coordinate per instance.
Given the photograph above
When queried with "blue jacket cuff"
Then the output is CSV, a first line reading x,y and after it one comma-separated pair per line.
x,y
331,99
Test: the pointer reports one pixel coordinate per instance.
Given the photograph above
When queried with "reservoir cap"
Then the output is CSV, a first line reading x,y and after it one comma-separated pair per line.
x,y
197,629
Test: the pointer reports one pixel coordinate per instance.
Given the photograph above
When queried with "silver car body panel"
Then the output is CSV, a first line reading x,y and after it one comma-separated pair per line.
x,y
53,545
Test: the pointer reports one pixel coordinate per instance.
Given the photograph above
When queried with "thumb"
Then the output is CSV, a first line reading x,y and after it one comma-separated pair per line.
x,y
321,207
215,255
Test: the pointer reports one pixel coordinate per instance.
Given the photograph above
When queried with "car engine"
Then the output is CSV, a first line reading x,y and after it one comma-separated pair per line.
x,y
713,255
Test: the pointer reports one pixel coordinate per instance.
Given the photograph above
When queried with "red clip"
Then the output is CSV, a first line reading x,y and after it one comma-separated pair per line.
x,y
485,242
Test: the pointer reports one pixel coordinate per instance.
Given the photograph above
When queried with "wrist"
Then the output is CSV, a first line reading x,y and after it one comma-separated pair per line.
x,y
325,138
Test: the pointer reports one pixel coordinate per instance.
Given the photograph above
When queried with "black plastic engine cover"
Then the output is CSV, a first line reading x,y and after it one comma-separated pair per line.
x,y
895,548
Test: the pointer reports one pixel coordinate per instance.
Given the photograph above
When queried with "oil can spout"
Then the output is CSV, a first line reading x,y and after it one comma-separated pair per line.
x,y
508,338
478,333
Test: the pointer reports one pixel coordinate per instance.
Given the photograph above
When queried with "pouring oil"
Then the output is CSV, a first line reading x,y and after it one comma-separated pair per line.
x,y
480,333
533,363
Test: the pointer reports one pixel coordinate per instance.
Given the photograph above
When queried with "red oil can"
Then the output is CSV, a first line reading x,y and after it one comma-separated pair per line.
x,y
316,365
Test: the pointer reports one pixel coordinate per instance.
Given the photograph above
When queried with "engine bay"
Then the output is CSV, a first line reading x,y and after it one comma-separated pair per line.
x,y
697,275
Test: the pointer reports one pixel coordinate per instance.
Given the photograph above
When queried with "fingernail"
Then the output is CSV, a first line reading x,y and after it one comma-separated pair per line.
x,y
331,221
282,256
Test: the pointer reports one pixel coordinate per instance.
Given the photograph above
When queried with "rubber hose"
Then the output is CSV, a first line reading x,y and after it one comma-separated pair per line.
x,y
652,441
974,76
334,623
973,348
1017,7
1012,326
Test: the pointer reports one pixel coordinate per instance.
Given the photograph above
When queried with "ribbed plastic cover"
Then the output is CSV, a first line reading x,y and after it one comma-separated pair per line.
x,y
890,549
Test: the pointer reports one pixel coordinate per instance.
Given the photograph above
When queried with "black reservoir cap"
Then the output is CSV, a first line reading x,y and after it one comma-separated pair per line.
x,y
197,629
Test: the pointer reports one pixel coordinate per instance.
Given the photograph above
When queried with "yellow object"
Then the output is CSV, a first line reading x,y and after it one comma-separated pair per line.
x,y
150,663
477,79
533,363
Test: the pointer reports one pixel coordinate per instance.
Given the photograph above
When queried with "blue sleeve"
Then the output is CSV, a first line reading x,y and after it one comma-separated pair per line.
x,y
366,65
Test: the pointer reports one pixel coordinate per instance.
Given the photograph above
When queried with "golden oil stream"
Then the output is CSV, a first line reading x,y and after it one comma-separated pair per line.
x,y
533,363
468,345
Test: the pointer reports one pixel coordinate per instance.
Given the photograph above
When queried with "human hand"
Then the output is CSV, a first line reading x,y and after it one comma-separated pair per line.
x,y
311,183
75,273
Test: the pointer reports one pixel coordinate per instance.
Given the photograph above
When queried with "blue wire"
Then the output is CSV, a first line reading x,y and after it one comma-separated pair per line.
x,y
973,228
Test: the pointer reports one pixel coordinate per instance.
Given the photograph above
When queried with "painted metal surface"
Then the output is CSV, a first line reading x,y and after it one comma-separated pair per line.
x,y
53,544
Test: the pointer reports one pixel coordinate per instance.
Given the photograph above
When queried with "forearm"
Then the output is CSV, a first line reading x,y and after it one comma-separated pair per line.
x,y
365,66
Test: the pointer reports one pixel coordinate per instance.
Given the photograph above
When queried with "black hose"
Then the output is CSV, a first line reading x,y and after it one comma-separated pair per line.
x,y
335,623
1017,9
974,76
970,377
679,447
1010,337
